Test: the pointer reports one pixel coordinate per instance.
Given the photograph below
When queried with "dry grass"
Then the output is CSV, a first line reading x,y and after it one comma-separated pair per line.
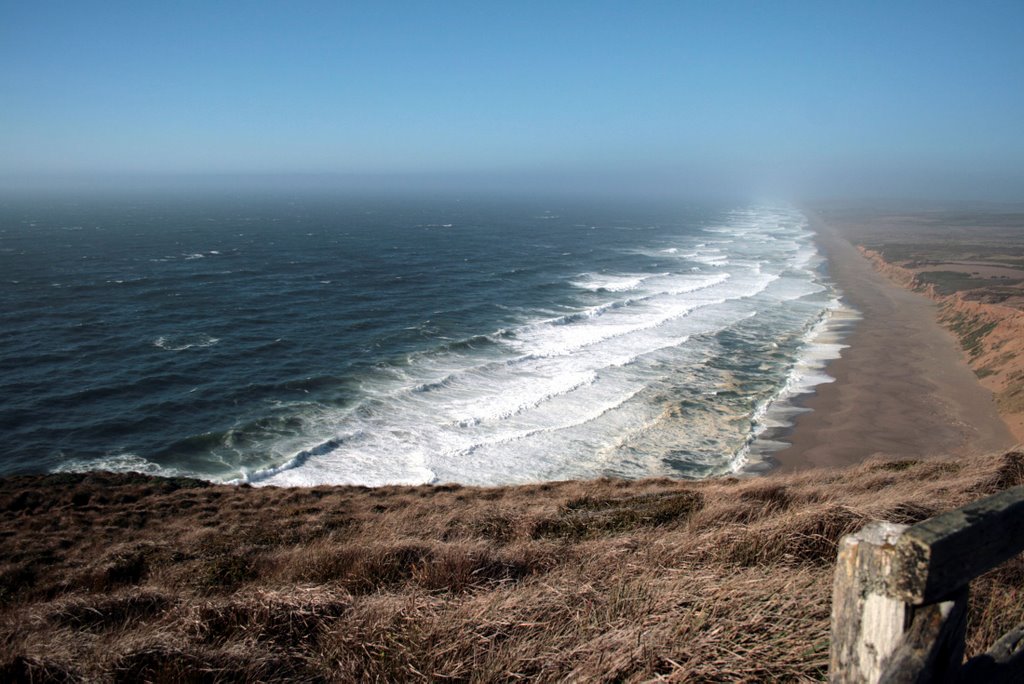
x,y
126,578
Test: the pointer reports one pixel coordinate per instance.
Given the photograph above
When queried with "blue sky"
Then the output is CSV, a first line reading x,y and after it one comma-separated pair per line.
x,y
821,96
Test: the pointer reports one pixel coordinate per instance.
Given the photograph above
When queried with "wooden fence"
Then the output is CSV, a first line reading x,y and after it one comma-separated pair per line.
x,y
899,602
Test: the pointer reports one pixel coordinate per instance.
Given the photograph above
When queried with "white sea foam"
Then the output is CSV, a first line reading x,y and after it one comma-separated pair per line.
x,y
119,463
711,257
514,400
596,282
552,396
185,341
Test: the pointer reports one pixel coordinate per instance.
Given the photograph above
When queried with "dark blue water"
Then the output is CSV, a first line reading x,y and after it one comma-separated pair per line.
x,y
378,341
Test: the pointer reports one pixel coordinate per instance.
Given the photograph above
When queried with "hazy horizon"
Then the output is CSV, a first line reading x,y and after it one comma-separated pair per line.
x,y
789,100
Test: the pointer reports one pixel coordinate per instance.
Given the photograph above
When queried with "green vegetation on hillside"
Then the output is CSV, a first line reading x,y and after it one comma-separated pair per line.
x,y
970,330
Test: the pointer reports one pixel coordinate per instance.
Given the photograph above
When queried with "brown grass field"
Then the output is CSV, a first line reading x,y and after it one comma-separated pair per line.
x,y
127,578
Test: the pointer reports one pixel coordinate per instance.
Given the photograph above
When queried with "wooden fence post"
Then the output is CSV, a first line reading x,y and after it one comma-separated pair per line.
x,y
867,623
899,598
932,648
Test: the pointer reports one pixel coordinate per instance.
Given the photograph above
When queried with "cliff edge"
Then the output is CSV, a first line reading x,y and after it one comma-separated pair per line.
x,y
124,577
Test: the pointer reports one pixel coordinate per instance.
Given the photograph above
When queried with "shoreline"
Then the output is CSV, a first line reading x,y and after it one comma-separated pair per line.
x,y
901,386
824,343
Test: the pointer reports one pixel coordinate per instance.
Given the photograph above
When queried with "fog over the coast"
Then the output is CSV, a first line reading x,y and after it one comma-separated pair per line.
x,y
665,99
953,183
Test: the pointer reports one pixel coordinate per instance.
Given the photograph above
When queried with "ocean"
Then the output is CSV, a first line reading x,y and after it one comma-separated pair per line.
x,y
313,340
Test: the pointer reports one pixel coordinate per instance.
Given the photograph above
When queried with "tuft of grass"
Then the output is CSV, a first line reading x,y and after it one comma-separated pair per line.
x,y
457,569
1009,474
280,618
588,517
225,572
110,612
774,497
908,513
896,466
498,527
810,537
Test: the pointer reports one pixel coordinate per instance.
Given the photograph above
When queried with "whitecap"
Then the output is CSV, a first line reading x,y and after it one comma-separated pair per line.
x,y
185,341
119,463
597,282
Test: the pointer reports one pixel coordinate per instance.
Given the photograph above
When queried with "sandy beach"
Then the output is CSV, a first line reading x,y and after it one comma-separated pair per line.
x,y
903,388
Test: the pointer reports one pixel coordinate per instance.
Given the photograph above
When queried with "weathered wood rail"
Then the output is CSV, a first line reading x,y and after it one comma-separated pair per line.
x,y
899,599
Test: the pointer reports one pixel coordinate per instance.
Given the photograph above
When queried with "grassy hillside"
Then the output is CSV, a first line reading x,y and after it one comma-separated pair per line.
x,y
127,578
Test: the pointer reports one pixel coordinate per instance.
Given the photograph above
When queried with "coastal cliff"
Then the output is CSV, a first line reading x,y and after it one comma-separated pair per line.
x,y
904,277
991,334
